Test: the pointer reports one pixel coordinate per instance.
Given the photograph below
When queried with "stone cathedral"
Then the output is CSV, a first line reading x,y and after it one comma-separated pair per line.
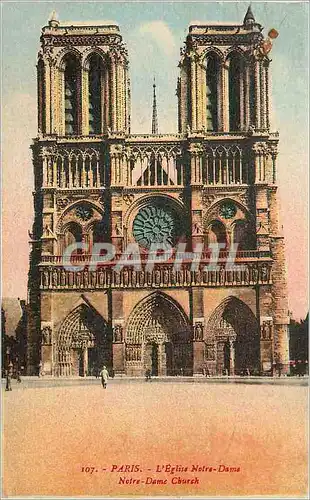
x,y
213,182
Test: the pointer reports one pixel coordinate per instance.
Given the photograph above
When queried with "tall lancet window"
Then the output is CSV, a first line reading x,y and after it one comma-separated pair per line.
x,y
71,95
41,96
235,75
94,95
212,82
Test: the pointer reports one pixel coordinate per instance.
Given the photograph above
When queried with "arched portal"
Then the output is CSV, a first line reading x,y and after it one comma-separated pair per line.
x,y
159,338
232,339
83,345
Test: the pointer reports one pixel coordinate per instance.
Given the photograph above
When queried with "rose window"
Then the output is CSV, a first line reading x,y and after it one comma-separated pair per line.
x,y
228,210
155,225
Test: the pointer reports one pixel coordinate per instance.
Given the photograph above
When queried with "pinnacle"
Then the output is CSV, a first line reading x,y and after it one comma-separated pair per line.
x,y
249,16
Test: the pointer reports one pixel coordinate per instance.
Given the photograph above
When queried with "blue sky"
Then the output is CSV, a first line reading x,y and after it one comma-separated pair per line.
x,y
154,33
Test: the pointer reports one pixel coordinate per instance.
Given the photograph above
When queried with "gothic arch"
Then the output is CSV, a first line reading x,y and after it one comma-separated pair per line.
x,y
213,210
216,233
232,336
71,206
64,53
164,212
86,56
83,343
243,234
235,63
157,307
213,68
210,51
149,198
234,50
159,337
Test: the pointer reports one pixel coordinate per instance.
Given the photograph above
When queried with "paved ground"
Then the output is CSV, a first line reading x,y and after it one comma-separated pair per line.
x,y
56,431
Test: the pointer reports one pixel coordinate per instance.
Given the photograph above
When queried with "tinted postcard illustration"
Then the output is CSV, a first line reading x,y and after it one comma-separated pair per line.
x,y
154,307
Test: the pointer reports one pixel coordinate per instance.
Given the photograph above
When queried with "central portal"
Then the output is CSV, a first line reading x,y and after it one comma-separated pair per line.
x,y
158,329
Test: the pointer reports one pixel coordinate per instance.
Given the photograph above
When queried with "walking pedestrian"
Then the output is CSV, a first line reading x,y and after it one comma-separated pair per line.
x,y
8,374
104,374
18,379
148,375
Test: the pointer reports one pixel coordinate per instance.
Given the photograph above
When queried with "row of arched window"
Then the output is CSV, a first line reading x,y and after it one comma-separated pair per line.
x,y
241,235
217,233
229,88
96,79
74,171
72,89
222,95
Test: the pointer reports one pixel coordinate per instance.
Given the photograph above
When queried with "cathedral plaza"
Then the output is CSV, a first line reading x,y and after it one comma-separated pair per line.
x,y
84,436
114,211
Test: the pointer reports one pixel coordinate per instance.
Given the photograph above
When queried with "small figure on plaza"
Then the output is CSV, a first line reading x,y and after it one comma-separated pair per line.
x,y
148,376
8,376
104,374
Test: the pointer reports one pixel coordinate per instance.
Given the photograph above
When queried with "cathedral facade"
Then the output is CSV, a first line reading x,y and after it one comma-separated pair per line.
x,y
211,185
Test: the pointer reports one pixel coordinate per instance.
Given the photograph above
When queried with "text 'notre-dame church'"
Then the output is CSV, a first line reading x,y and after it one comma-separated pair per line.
x,y
212,182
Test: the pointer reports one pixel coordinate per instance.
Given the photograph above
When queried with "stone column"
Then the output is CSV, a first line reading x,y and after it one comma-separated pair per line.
x,y
262,95
267,107
220,106
247,97
113,94
225,94
193,93
85,103
47,103
118,346
257,95
183,97
279,287
231,357
85,361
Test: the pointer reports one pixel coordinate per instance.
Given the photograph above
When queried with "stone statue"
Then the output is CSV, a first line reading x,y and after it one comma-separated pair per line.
x,y
55,278
157,277
263,330
85,280
46,335
222,275
125,277
141,278
118,333
264,273
101,276
78,279
166,276
134,278
198,331
45,278
254,274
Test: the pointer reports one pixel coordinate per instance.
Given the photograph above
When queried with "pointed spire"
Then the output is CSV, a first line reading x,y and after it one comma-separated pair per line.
x,y
249,18
53,20
154,116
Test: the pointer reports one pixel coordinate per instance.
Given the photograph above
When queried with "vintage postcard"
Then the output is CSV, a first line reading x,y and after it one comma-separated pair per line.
x,y
154,305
